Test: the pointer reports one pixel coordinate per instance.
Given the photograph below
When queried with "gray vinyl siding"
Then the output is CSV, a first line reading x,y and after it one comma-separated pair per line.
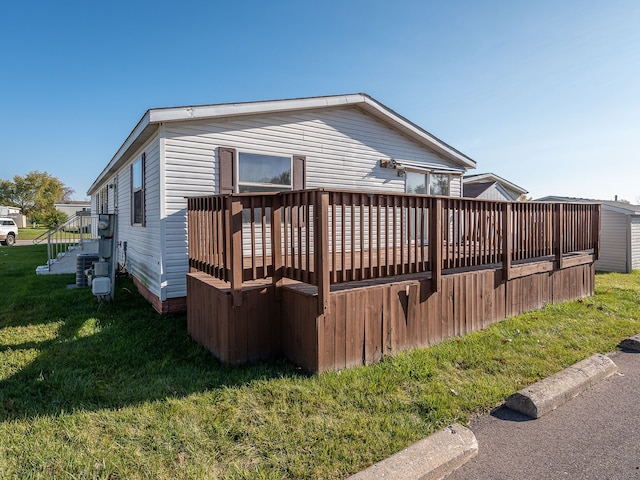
x,y
613,242
343,149
635,243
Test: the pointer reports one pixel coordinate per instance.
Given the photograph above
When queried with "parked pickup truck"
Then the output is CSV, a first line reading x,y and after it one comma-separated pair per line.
x,y
8,231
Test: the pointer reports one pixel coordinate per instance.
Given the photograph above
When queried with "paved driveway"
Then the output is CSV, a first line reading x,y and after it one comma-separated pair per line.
x,y
594,436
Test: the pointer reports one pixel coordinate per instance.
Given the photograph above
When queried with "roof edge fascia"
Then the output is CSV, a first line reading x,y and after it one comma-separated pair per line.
x,y
494,178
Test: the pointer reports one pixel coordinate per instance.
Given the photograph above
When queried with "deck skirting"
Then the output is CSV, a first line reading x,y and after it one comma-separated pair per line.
x,y
366,320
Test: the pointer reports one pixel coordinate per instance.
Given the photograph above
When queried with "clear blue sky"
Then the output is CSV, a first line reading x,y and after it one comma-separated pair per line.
x,y
543,93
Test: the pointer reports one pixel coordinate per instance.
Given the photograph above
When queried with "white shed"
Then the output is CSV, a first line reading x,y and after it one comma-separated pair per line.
x,y
619,234
346,141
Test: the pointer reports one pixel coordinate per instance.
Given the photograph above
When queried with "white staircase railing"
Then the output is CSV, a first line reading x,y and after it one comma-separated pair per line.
x,y
73,233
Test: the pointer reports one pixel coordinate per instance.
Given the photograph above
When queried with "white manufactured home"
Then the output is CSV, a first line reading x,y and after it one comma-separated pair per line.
x,y
349,142
619,234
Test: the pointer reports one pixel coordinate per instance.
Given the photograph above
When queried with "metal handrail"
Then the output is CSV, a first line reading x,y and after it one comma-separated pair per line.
x,y
74,232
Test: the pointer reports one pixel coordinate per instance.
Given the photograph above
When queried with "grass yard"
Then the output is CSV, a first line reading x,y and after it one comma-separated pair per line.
x,y
30,233
116,391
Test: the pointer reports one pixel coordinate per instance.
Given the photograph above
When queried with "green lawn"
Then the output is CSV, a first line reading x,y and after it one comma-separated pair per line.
x,y
115,391
30,233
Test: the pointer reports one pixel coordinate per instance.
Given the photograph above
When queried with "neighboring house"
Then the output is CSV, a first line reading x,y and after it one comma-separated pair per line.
x,y
72,207
347,142
489,186
13,212
6,211
619,234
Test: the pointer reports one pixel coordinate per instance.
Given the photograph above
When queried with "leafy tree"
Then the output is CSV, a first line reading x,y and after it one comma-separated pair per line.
x,y
52,219
35,194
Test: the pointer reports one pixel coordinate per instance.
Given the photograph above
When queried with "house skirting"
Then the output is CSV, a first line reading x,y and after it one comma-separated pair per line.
x,y
171,305
365,320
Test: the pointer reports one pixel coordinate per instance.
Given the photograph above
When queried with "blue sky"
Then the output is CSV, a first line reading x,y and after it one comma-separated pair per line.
x,y
544,93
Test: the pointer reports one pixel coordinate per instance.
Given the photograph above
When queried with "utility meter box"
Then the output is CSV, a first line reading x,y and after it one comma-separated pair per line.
x,y
105,247
101,286
105,225
101,269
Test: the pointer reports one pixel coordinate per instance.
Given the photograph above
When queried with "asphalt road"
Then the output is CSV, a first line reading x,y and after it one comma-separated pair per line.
x,y
593,436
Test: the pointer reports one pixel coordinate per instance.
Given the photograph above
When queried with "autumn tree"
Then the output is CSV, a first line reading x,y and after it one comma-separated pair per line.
x,y
35,194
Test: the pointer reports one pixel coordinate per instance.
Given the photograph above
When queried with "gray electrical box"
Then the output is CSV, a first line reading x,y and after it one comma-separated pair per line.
x,y
101,269
105,225
105,247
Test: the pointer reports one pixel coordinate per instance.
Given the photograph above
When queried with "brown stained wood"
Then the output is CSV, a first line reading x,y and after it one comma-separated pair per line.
x,y
506,240
326,341
472,233
350,329
340,335
433,314
414,331
387,324
435,244
373,327
235,258
446,318
368,321
276,239
321,220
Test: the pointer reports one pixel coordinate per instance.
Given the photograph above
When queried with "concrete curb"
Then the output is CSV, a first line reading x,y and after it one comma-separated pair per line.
x,y
631,344
428,459
546,395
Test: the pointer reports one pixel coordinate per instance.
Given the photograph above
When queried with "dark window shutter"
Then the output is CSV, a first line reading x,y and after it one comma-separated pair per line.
x,y
299,172
140,195
227,157
144,189
131,194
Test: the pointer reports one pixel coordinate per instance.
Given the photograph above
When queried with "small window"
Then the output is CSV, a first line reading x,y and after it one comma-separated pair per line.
x,y
439,184
416,183
263,173
427,183
137,191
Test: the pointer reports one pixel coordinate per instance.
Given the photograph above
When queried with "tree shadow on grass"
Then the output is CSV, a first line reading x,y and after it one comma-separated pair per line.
x,y
111,356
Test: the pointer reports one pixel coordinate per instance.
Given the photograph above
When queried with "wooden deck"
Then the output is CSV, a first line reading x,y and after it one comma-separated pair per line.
x,y
354,278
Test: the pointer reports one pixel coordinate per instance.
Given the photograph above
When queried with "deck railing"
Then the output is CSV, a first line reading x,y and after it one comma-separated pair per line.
x,y
324,237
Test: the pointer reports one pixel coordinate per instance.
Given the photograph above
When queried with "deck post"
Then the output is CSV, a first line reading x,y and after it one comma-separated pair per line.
x,y
276,246
234,229
506,240
559,239
321,248
435,242
596,232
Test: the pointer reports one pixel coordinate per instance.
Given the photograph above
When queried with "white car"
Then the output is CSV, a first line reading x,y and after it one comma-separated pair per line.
x,y
8,231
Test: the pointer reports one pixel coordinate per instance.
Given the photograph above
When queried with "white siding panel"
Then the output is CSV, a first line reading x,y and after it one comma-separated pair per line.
x,y
144,252
455,187
613,242
343,148
635,243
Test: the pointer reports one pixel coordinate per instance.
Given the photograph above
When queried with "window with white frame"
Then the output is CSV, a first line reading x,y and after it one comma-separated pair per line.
x,y
427,183
263,173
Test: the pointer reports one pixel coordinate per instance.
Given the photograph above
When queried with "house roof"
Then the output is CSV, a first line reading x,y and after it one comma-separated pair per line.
x,y
150,121
488,179
620,207
474,190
